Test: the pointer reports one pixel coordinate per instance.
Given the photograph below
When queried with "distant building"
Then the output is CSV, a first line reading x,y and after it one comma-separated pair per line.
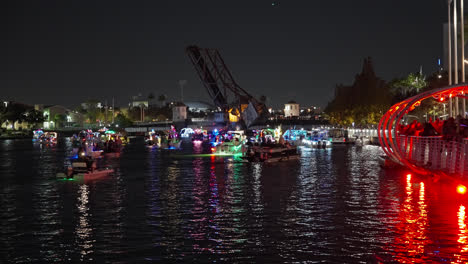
x,y
17,125
199,106
179,112
57,116
138,101
91,104
291,109
444,62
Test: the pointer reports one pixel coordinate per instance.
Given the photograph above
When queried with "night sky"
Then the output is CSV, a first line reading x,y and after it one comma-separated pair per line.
x,y
64,52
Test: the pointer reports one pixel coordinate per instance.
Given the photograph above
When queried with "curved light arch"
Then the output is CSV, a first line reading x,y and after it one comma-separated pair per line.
x,y
388,124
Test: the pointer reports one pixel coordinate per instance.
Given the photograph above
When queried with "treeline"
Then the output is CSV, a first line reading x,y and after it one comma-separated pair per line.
x,y
365,101
11,113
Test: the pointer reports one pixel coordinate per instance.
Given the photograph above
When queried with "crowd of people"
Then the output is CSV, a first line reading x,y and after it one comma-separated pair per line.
x,y
454,129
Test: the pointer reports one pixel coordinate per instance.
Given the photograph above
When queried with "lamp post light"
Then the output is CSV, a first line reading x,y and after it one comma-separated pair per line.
x,y
449,31
455,52
462,35
444,110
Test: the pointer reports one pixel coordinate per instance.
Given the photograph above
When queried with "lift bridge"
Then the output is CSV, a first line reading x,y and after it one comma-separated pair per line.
x,y
227,95
427,155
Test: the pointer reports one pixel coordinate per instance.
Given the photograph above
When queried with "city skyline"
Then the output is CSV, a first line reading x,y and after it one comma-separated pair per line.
x,y
64,53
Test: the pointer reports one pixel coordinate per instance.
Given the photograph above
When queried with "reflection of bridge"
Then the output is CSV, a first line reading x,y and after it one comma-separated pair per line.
x,y
424,155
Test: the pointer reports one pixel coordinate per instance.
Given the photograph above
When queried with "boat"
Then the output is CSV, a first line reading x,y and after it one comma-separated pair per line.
x,y
270,153
153,138
171,140
199,136
48,138
113,153
231,145
93,175
295,137
228,148
186,132
317,139
174,143
81,170
96,153
338,136
37,134
361,141
87,176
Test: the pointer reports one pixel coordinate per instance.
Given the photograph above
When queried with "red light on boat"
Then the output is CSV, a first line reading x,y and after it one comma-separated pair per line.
x,y
461,189
213,149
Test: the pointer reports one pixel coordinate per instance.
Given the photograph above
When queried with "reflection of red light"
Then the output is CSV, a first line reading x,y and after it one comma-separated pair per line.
x,y
408,177
461,189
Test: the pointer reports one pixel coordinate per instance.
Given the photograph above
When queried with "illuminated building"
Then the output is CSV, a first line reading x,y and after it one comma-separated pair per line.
x,y
179,112
291,109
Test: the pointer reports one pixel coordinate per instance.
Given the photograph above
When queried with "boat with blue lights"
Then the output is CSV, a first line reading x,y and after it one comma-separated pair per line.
x,y
317,138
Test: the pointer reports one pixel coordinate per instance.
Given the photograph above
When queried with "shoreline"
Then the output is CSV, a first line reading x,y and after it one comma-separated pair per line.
x,y
5,137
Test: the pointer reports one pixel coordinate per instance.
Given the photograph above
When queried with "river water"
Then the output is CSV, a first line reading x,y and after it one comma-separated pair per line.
x,y
331,206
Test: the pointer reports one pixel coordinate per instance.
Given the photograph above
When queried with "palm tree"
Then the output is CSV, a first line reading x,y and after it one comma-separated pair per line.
x,y
162,99
150,98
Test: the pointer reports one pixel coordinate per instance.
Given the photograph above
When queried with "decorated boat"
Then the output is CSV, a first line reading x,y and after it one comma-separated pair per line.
x,y
48,138
295,136
317,139
231,144
338,136
270,153
37,134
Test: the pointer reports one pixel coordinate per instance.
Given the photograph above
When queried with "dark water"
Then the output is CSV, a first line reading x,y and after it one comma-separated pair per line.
x,y
332,206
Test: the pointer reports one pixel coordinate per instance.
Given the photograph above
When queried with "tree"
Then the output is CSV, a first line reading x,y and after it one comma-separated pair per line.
x,y
263,99
402,88
14,112
162,99
34,117
91,111
3,111
59,120
363,102
122,120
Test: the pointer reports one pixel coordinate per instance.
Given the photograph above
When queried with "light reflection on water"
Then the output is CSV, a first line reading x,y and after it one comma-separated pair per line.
x,y
83,229
334,206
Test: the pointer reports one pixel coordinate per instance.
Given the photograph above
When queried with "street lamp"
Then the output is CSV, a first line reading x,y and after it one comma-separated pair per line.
x,y
68,120
462,25
449,29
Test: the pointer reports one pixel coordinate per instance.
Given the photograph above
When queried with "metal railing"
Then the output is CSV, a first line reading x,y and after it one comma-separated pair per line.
x,y
435,153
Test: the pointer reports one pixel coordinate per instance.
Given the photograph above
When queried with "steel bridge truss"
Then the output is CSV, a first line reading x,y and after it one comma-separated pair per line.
x,y
218,80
